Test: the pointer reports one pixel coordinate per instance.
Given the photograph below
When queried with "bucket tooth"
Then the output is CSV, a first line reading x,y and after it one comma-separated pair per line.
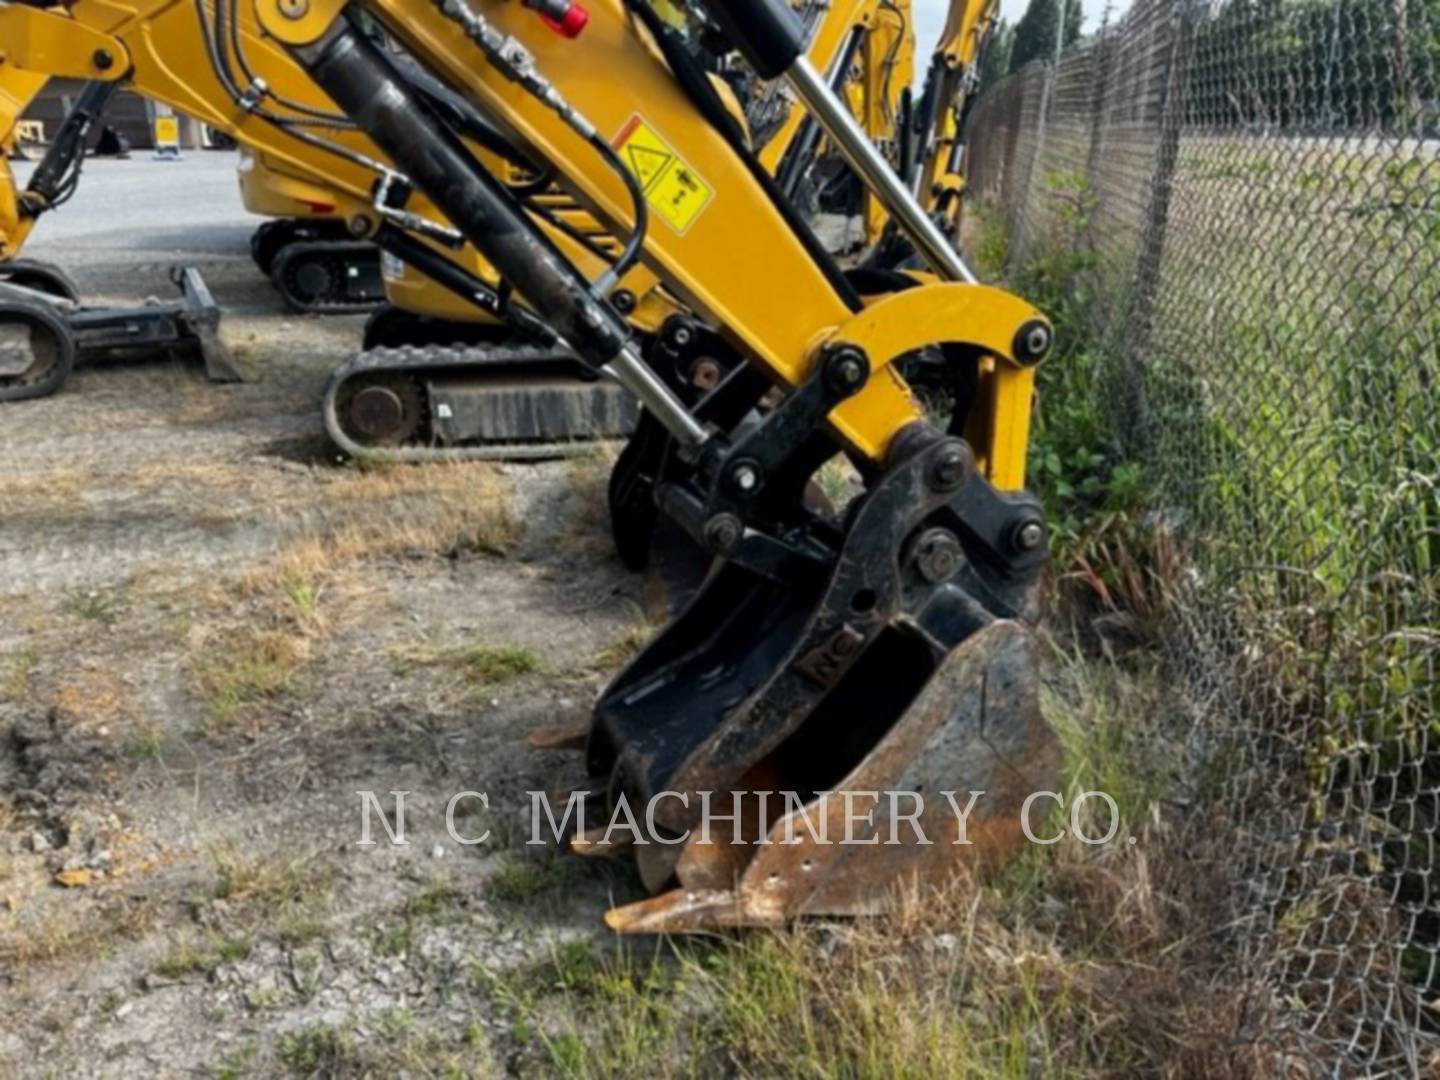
x,y
570,736
592,844
682,911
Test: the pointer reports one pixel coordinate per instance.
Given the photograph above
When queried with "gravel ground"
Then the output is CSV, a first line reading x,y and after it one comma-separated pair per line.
x,y
213,634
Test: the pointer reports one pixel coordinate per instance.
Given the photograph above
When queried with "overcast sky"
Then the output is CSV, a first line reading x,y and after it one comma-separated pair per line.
x,y
930,17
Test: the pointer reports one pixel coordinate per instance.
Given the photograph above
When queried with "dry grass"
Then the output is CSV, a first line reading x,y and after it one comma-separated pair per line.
x,y
94,696
624,648
277,616
289,897
35,935
54,489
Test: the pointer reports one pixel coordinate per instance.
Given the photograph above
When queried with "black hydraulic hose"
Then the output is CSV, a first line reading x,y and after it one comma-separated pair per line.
x,y
449,275
695,82
221,67
351,70
635,243
237,46
58,174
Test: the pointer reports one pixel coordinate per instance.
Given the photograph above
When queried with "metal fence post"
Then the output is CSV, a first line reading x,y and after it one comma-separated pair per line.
x,y
1157,212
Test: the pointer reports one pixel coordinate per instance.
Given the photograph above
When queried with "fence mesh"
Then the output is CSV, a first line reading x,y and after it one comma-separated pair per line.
x,y
1248,193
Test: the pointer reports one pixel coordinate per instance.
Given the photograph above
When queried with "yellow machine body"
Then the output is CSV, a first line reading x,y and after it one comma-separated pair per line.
x,y
18,88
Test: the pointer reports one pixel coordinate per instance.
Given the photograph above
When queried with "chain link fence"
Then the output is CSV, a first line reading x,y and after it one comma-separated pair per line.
x,y
1246,195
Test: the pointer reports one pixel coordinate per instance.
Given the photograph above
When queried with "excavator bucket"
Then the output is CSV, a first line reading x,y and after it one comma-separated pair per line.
x,y
902,816
802,739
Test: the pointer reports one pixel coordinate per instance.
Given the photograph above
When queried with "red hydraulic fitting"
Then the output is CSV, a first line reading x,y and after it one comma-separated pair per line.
x,y
565,17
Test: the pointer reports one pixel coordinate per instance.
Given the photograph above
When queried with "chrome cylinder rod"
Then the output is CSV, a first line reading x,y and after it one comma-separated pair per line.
x,y
630,371
831,112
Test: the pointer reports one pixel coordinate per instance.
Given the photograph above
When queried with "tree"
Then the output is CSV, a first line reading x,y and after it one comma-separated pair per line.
x,y
1035,32
995,63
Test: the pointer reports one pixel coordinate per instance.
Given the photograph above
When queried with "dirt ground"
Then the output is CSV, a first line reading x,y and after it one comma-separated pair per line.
x,y
213,634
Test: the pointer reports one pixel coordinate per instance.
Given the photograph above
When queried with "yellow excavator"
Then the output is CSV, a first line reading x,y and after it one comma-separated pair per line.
x,y
829,660
45,331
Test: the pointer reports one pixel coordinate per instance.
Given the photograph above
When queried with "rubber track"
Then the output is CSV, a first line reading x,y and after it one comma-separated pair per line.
x,y
418,361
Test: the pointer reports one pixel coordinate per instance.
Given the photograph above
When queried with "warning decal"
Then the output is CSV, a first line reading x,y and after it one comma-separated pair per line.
x,y
673,189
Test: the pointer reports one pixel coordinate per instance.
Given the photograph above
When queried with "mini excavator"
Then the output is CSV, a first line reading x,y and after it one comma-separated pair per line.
x,y
45,331
880,649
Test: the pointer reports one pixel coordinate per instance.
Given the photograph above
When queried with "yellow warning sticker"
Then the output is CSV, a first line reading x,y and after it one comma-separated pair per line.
x,y
673,189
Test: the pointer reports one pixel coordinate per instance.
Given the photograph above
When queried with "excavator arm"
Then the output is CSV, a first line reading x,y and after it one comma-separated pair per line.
x,y
951,83
882,649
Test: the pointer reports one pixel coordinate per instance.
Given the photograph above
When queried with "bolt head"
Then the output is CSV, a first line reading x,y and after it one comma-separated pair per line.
x,y
723,532
359,225
1030,536
951,466
938,555
103,60
294,9
746,479
683,335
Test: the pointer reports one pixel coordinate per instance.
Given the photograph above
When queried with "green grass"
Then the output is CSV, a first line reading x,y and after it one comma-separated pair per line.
x,y
479,667
15,673
488,665
202,957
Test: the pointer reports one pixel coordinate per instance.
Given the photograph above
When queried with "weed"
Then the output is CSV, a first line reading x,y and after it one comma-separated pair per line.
x,y
237,1063
492,665
203,957
104,606
624,648
477,666
245,665
318,1049
16,672
517,880
146,741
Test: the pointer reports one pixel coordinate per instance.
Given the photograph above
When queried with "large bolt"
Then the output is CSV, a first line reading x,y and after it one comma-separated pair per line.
x,y
102,60
846,369
1030,535
624,301
682,336
745,478
938,555
359,225
705,375
1033,341
723,532
950,467
294,9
